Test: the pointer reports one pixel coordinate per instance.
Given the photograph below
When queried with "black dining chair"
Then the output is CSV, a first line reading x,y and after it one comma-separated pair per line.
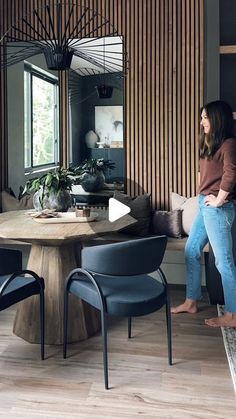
x,y
15,286
115,279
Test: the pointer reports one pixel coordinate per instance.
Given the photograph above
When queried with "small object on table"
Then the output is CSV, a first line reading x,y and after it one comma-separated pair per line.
x,y
101,144
119,186
82,212
46,213
116,144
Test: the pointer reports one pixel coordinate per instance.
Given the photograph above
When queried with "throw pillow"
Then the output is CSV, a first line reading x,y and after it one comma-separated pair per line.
x,y
168,223
189,206
140,210
11,203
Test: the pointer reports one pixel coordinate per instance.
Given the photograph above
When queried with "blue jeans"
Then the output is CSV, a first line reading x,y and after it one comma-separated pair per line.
x,y
213,225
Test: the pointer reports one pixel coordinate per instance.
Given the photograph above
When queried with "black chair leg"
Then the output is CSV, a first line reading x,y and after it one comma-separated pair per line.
x,y
169,332
42,323
104,347
129,326
65,325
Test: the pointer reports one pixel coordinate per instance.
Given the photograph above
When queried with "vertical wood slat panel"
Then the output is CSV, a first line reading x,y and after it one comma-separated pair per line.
x,y
163,88
161,107
148,160
179,97
183,99
188,95
131,111
153,99
192,96
174,186
140,101
165,199
170,103
157,179
146,114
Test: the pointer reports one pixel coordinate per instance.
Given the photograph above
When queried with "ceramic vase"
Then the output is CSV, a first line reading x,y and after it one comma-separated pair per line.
x,y
60,201
91,139
92,182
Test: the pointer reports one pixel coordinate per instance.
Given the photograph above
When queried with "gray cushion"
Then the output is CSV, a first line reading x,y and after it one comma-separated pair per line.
x,y
168,223
140,210
189,206
11,203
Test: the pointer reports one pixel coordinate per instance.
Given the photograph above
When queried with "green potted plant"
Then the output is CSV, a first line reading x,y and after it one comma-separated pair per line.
x,y
91,173
52,189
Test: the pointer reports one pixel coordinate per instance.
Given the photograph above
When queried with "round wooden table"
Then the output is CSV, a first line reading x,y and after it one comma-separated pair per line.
x,y
55,251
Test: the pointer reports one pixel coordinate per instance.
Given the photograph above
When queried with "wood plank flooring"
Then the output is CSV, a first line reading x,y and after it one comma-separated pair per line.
x,y
198,385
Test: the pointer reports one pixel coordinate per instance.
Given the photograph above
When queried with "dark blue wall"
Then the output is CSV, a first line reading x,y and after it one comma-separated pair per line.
x,y
83,119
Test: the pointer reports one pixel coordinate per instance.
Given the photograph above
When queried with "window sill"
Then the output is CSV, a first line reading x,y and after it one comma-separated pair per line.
x,y
29,173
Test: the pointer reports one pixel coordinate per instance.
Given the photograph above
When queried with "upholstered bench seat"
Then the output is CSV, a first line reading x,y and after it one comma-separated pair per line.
x,y
177,244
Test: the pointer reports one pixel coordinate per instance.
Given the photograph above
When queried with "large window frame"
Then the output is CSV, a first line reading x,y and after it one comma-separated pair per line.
x,y
31,72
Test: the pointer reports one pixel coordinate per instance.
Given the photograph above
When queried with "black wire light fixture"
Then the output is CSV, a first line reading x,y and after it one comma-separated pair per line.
x,y
61,35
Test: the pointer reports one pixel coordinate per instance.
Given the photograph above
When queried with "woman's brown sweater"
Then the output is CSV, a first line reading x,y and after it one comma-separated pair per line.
x,y
220,171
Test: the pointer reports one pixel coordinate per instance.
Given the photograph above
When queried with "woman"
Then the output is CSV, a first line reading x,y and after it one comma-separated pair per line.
x,y
217,192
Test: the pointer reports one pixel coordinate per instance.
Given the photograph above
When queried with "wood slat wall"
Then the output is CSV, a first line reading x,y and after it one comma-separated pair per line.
x,y
163,89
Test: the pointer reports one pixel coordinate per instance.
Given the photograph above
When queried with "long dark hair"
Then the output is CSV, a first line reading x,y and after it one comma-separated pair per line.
x,y
220,116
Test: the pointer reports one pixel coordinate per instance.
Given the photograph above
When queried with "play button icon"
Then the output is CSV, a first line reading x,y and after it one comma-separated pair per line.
x,y
116,209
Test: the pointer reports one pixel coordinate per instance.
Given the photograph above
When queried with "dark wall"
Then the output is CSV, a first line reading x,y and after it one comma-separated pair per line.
x,y
211,51
92,100
228,61
83,113
227,22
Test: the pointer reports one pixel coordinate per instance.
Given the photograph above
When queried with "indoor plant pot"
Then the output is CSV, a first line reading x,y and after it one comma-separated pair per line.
x,y
92,182
91,173
59,201
52,190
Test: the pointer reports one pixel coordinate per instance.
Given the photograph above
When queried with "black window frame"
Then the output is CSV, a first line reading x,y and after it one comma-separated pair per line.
x,y
41,74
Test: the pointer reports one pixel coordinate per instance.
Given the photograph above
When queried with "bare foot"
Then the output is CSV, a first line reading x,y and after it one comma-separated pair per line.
x,y
189,306
227,320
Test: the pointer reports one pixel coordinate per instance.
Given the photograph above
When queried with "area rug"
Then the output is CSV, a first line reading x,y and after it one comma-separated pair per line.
x,y
229,337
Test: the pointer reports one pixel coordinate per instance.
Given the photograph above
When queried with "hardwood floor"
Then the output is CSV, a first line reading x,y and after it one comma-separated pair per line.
x,y
198,385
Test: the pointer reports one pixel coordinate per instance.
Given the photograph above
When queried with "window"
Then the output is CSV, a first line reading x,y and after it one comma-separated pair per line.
x,y
41,121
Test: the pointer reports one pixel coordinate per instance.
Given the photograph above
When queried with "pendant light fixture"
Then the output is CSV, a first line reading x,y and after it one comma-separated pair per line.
x,y
61,31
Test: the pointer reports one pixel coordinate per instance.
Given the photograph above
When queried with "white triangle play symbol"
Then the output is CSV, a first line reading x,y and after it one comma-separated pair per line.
x,y
116,209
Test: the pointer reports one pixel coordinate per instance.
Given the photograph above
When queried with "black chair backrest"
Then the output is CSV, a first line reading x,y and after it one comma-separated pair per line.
x,y
10,261
133,257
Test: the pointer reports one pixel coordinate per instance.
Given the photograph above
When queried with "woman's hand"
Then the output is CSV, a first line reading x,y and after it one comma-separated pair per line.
x,y
211,200
216,201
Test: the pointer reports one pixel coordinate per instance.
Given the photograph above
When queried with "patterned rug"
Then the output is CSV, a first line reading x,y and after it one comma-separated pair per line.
x,y
229,337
